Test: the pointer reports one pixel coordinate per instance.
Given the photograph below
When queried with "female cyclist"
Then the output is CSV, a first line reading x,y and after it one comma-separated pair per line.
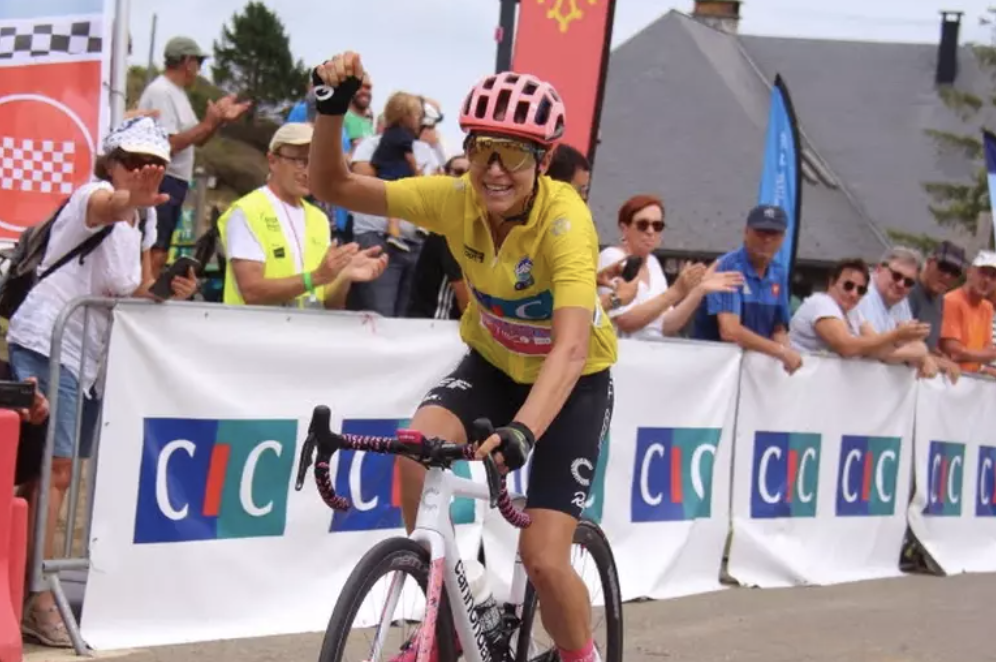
x,y
540,344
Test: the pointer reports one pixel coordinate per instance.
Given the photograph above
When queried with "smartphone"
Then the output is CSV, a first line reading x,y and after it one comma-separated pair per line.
x,y
632,267
16,395
162,287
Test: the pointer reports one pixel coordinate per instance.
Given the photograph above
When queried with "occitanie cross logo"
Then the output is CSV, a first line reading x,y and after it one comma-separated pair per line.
x,y
566,12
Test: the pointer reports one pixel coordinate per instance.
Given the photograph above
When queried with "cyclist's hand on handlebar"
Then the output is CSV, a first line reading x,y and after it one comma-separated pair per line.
x,y
511,446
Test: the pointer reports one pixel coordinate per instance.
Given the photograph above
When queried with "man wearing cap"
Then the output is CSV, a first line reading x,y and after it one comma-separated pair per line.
x,y
756,317
967,329
279,246
167,95
942,271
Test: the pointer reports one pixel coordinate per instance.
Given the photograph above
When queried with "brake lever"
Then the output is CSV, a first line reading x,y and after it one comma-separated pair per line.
x,y
305,462
320,439
494,479
481,429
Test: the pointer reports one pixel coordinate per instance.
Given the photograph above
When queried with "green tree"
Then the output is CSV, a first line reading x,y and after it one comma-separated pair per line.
x,y
253,59
959,204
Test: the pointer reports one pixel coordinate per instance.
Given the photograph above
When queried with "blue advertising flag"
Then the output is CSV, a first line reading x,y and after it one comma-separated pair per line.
x,y
781,175
989,141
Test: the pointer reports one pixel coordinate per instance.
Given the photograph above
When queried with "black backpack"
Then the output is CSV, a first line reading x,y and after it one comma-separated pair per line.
x,y
22,273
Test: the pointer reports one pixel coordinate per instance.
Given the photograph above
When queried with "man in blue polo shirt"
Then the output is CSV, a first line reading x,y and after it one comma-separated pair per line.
x,y
757,317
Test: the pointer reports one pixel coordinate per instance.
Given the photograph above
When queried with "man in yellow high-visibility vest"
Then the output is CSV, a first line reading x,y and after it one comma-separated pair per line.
x,y
279,247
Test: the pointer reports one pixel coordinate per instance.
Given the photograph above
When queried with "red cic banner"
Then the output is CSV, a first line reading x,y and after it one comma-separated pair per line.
x,y
54,57
566,42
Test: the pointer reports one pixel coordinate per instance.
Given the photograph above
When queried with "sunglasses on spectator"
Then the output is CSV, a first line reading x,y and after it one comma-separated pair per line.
x,y
643,225
949,269
138,161
512,155
458,172
900,279
849,285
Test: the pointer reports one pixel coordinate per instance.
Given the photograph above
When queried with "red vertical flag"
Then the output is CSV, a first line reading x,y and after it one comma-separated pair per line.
x,y
51,103
566,42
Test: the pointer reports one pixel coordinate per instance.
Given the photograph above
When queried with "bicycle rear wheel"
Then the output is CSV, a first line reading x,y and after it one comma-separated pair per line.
x,y
534,645
394,559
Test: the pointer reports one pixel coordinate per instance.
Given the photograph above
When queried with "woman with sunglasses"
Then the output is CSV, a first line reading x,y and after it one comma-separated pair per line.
x,y
829,322
645,308
128,174
540,347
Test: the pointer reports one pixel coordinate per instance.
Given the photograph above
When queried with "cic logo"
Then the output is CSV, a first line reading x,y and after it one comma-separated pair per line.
x,y
866,476
673,474
205,479
786,470
985,503
945,479
372,483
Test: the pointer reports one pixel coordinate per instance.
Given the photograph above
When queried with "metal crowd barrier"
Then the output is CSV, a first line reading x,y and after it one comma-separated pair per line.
x,y
51,574
47,574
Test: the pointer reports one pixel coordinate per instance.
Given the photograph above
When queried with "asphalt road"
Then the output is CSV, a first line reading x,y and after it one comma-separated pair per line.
x,y
913,619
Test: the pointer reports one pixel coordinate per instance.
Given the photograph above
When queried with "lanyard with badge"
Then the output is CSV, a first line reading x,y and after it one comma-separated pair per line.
x,y
311,300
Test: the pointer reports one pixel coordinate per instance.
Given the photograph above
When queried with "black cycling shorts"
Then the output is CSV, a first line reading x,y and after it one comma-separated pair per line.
x,y
566,456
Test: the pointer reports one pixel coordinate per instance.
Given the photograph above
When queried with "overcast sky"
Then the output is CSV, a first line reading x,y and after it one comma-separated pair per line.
x,y
439,48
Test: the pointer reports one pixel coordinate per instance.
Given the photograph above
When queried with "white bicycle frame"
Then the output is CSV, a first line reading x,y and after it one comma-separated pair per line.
x,y
434,531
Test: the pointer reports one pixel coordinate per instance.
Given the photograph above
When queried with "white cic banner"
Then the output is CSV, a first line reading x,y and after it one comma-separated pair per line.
x,y
198,533
821,473
661,490
953,513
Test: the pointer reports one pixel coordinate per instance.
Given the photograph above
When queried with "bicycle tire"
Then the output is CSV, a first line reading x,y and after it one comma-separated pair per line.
x,y
391,555
591,537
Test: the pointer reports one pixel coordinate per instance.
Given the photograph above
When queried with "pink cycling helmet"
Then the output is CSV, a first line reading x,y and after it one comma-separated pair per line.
x,y
521,105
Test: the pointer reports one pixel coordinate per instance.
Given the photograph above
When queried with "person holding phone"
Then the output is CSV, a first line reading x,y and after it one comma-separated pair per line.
x,y
639,301
119,207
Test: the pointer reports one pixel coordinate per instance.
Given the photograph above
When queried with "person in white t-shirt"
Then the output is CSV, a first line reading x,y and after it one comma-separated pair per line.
x,y
831,321
279,247
129,171
654,310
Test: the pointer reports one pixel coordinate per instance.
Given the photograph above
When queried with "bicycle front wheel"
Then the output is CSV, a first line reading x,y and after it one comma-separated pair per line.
x,y
593,560
381,605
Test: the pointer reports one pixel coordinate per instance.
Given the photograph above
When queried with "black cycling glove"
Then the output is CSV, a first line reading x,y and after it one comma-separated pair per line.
x,y
334,101
516,443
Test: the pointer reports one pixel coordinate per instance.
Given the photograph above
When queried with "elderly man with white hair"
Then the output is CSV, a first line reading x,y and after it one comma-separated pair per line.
x,y
886,307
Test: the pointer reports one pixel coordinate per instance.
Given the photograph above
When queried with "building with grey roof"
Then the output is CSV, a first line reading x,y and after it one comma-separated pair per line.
x,y
685,114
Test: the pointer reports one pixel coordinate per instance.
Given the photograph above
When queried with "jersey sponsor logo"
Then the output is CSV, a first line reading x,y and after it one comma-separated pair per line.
x,y
207,479
535,308
786,470
560,226
524,274
945,479
673,474
472,254
371,483
985,502
518,337
866,476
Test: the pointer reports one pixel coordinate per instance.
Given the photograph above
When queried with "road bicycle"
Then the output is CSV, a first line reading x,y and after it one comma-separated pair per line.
x,y
429,561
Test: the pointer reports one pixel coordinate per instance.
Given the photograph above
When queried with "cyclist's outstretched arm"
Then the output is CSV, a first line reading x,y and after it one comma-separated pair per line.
x,y
329,175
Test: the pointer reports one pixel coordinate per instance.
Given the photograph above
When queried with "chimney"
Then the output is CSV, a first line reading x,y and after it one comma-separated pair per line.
x,y
947,52
722,15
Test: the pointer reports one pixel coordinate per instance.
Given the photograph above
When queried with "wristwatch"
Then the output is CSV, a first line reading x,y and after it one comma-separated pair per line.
x,y
614,300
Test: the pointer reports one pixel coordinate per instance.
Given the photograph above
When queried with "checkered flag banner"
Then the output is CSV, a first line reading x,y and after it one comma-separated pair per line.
x,y
36,166
34,41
